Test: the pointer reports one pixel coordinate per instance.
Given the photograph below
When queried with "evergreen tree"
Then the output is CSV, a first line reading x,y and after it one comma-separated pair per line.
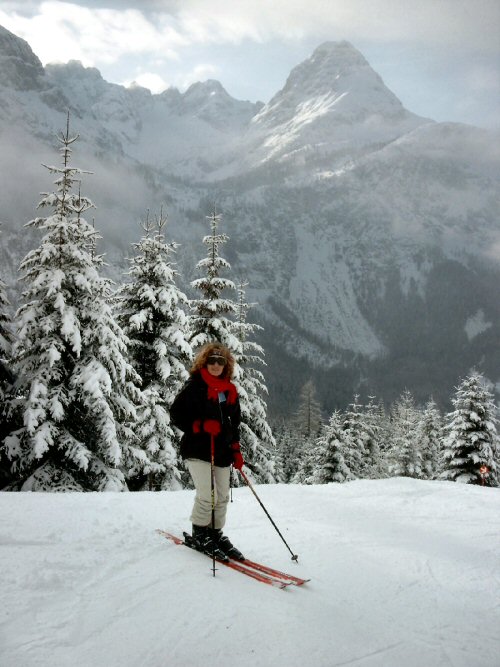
x,y
382,433
280,432
76,390
5,348
209,321
330,464
307,422
472,439
258,443
289,445
306,462
429,437
355,439
151,313
374,467
6,379
405,454
307,418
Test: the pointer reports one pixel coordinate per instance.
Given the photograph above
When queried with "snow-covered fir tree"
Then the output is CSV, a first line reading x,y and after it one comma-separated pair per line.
x,y
209,320
76,390
6,380
289,445
306,460
374,428
5,347
471,442
278,430
329,459
257,441
382,431
429,439
405,454
355,437
151,310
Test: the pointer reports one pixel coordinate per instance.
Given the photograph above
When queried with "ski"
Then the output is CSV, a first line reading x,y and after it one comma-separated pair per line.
x,y
233,565
296,581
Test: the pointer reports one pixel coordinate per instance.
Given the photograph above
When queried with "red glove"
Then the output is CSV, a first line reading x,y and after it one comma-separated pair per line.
x,y
238,461
211,426
196,426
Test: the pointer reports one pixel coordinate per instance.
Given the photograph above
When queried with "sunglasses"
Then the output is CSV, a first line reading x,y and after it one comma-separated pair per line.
x,y
221,361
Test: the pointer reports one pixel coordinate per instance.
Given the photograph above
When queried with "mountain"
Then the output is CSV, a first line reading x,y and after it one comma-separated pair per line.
x,y
21,69
370,236
334,105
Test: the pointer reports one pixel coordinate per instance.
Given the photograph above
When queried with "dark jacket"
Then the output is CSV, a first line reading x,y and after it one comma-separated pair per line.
x,y
192,406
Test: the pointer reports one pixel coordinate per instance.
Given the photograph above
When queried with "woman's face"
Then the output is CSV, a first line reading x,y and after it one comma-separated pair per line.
x,y
215,364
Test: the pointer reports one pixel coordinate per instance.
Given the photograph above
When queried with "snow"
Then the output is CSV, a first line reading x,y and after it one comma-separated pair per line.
x,y
332,304
476,324
403,572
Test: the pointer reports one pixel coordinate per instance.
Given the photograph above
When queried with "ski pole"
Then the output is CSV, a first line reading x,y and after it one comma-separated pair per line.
x,y
212,489
294,556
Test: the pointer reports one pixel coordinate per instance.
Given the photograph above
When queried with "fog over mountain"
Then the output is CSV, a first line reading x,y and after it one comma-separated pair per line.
x,y
370,236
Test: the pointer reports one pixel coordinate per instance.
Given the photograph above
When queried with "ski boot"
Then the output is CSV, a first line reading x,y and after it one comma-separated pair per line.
x,y
224,544
203,541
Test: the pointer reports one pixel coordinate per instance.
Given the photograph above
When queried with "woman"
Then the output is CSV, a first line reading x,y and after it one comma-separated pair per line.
x,y
207,410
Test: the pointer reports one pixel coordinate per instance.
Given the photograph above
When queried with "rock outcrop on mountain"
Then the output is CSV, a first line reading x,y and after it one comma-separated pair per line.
x,y
370,236
20,68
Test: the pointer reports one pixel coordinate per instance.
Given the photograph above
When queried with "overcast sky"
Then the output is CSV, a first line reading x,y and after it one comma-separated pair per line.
x,y
440,57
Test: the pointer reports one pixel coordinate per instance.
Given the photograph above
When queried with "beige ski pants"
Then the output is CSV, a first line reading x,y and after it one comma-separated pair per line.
x,y
202,508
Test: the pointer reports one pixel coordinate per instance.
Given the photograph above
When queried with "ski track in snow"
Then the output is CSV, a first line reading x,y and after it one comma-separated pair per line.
x,y
403,573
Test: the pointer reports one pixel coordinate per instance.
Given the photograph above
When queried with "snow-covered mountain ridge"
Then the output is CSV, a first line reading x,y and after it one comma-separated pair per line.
x,y
370,236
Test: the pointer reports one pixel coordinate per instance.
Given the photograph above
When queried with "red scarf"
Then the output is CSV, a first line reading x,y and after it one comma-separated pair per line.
x,y
216,385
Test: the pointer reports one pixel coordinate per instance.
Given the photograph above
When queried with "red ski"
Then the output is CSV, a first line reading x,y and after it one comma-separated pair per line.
x,y
296,581
234,565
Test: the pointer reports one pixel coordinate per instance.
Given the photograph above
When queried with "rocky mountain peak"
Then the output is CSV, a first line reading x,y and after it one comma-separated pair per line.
x,y
19,66
201,89
332,58
336,79
210,100
84,85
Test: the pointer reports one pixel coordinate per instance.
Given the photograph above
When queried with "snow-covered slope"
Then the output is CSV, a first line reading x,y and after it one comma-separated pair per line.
x,y
368,234
403,572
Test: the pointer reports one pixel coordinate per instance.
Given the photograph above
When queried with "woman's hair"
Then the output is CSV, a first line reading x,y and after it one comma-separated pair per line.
x,y
200,361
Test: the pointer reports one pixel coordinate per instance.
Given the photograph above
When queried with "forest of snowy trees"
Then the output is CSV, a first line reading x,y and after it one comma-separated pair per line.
x,y
369,442
89,369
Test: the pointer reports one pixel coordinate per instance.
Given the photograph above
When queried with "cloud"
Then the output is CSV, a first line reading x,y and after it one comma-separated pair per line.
x,y
482,77
91,35
154,82
453,22
157,84
104,30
